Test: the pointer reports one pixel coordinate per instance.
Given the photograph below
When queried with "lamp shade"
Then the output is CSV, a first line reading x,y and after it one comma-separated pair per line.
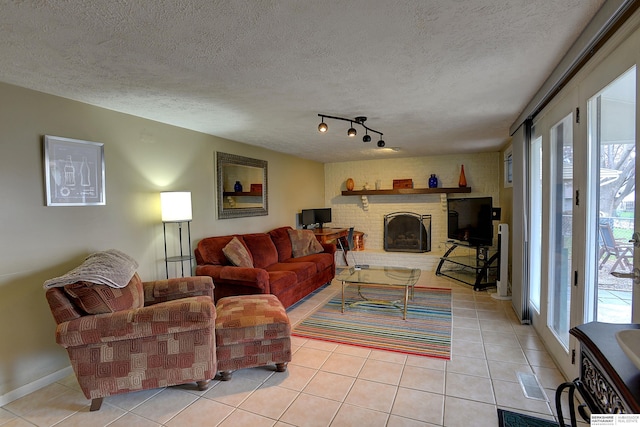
x,y
176,206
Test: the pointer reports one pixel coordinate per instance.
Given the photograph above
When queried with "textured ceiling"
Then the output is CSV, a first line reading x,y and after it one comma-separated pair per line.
x,y
435,76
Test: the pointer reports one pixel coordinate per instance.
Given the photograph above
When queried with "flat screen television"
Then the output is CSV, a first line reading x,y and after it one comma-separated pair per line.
x,y
318,216
470,221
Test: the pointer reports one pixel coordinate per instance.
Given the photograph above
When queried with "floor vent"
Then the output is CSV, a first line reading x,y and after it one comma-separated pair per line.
x,y
531,386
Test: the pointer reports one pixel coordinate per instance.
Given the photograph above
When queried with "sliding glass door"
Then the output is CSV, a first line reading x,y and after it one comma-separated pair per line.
x,y
582,189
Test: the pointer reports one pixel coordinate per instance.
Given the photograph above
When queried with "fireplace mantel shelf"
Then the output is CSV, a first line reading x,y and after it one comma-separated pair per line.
x,y
399,191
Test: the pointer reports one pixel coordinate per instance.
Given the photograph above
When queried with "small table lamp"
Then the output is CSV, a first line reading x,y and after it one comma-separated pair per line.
x,y
176,207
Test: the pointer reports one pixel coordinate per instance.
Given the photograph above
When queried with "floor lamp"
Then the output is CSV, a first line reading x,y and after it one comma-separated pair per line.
x,y
176,208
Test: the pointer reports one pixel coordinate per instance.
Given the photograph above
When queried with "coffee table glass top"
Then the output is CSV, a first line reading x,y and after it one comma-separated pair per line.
x,y
394,276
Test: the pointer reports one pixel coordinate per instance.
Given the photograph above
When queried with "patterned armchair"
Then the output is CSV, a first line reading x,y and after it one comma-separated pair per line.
x,y
146,335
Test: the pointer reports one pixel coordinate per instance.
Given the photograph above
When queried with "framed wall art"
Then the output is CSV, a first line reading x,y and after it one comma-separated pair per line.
x,y
74,172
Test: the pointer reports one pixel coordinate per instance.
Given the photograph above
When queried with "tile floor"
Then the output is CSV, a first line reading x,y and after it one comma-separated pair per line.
x,y
339,385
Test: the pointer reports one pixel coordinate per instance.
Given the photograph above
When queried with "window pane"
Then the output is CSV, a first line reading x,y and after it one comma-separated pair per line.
x,y
561,228
612,133
535,215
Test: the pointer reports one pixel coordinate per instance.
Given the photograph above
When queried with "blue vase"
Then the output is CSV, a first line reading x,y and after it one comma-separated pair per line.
x,y
433,181
237,187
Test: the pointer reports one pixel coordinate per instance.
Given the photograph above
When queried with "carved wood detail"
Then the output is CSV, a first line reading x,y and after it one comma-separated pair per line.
x,y
602,392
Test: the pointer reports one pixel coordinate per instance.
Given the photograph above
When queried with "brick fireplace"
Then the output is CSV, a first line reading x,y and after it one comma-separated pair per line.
x,y
407,232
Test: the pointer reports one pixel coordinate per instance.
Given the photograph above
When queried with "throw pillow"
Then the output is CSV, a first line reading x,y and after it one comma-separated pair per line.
x,y
304,242
93,298
237,253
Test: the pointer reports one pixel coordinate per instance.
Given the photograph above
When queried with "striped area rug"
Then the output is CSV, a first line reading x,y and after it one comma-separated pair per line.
x,y
426,332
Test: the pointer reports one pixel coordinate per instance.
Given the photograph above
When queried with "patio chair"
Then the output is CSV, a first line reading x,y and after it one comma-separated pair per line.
x,y
610,247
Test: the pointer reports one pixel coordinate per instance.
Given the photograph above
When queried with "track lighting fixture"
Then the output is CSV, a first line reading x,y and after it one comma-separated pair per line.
x,y
351,132
323,128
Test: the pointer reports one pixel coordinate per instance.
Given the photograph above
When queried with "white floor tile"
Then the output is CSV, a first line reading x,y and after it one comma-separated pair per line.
x,y
463,413
469,387
330,386
419,405
423,379
362,392
311,411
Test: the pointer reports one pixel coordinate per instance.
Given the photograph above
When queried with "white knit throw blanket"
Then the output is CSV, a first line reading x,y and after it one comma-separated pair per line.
x,y
112,268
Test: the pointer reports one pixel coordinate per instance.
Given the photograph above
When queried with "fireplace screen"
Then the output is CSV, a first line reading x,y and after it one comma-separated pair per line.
x,y
407,232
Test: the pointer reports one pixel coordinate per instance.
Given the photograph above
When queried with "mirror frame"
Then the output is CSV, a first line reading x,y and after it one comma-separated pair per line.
x,y
223,159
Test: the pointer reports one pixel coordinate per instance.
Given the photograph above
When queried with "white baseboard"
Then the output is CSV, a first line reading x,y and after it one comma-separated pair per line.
x,y
34,386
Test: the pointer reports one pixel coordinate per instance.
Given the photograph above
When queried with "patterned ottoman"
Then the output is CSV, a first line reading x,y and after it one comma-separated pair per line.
x,y
251,330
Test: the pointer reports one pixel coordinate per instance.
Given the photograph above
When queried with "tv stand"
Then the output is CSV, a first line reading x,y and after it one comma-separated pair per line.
x,y
473,265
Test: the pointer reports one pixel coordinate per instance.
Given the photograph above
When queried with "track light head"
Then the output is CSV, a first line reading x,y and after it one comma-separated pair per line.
x,y
381,143
322,127
351,132
366,138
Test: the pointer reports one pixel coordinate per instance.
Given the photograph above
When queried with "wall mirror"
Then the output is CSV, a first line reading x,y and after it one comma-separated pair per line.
x,y
242,186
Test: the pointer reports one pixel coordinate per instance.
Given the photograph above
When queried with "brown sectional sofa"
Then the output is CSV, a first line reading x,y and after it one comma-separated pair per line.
x,y
274,271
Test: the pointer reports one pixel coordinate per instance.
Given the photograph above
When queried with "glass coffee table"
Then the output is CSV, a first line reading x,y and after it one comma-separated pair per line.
x,y
401,278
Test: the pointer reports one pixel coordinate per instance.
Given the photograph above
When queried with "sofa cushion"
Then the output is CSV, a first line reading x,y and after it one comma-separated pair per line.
x,y
263,251
321,261
209,250
279,281
93,298
281,239
303,270
237,253
304,242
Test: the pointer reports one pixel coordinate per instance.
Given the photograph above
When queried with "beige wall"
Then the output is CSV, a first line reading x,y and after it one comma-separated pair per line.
x,y
142,158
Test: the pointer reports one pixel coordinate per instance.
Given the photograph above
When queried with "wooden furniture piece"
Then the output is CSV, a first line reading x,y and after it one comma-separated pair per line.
x,y
609,382
397,191
330,235
243,193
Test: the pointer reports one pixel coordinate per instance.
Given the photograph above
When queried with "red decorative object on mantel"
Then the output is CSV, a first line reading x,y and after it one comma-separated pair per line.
x,y
463,178
402,183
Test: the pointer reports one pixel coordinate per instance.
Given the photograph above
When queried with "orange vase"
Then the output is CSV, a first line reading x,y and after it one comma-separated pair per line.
x,y
463,179
350,184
